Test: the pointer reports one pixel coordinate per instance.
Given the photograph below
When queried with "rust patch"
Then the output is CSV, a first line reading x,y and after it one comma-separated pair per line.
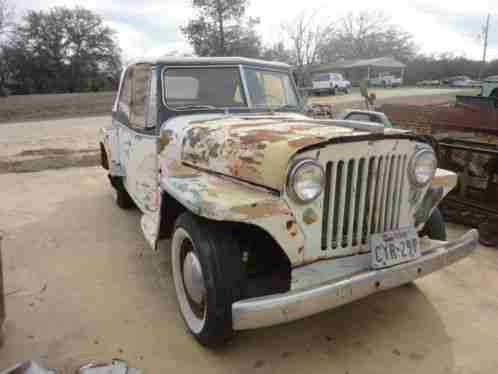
x,y
266,209
167,136
292,228
177,170
309,216
303,142
256,136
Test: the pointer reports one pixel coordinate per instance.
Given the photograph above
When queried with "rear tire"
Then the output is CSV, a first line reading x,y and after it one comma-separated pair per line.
x,y
121,196
209,277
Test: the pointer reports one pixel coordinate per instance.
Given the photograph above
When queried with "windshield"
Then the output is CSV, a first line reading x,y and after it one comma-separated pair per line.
x,y
270,88
221,87
209,88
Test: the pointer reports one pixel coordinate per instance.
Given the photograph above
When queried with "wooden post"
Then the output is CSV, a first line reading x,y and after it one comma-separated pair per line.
x,y
2,296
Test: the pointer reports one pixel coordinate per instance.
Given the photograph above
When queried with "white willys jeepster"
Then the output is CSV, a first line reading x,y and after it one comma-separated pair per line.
x,y
272,216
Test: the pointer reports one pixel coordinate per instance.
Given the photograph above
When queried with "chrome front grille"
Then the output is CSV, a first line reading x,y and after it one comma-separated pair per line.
x,y
363,196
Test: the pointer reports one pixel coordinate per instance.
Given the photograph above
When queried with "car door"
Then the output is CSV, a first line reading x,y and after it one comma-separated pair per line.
x,y
138,138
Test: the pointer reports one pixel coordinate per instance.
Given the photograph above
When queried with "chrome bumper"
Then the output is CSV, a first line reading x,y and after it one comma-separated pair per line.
x,y
280,308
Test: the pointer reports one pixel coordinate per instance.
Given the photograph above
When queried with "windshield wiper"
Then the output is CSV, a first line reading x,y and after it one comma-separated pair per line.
x,y
194,106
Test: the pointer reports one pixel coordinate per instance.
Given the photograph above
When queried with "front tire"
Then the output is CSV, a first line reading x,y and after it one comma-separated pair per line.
x,y
435,227
208,276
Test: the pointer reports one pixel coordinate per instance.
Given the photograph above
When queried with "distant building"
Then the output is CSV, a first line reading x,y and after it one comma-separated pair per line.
x,y
358,70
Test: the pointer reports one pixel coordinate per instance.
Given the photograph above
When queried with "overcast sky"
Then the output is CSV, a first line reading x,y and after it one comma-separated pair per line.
x,y
151,27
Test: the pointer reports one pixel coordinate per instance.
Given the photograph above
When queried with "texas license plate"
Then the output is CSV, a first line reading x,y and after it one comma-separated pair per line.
x,y
394,247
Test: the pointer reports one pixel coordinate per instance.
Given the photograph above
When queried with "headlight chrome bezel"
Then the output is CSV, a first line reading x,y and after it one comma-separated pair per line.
x,y
413,165
296,167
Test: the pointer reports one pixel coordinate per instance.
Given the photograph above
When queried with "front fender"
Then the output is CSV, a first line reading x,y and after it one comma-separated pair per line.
x,y
221,198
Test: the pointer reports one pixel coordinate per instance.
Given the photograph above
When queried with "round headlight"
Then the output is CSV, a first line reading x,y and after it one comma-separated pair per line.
x,y
306,180
423,167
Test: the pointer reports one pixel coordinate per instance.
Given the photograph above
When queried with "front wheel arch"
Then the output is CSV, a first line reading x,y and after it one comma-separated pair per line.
x,y
435,227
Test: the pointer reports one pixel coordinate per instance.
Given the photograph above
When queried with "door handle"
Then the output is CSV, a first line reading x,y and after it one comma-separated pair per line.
x,y
127,142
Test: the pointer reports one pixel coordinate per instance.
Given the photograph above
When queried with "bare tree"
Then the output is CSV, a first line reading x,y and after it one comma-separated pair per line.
x,y
306,38
6,17
367,34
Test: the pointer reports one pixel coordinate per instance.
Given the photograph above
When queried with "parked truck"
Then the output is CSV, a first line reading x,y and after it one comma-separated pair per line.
x,y
329,83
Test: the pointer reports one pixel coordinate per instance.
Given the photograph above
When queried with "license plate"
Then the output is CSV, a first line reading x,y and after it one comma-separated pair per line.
x,y
394,247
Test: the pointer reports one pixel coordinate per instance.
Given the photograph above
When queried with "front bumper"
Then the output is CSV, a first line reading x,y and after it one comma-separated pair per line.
x,y
293,305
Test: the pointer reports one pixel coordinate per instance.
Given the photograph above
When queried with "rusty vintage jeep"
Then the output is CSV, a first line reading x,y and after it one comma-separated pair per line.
x,y
272,216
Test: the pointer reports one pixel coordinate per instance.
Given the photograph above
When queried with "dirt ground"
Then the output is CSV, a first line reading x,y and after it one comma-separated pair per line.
x,y
42,107
54,144
34,146
83,285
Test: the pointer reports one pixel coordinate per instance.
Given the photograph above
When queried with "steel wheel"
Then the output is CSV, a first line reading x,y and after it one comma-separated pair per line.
x,y
189,281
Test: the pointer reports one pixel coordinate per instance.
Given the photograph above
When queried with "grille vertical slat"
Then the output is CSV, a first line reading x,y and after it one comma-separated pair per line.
x,y
352,207
383,198
394,200
402,183
330,213
332,222
378,194
389,194
342,203
364,196
363,193
326,206
373,175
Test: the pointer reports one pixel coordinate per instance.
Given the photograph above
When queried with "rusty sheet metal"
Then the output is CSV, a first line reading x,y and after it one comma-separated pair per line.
x,y
222,198
255,149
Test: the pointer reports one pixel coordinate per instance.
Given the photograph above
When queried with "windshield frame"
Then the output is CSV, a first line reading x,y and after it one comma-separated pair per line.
x,y
245,90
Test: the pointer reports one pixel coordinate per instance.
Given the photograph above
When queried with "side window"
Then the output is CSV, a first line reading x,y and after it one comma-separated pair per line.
x,y
140,96
152,106
125,97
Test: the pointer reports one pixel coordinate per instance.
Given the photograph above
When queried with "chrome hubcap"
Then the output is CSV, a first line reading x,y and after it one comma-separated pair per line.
x,y
193,278
189,281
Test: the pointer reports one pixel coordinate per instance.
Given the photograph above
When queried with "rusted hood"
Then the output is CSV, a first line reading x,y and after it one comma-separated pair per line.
x,y
255,150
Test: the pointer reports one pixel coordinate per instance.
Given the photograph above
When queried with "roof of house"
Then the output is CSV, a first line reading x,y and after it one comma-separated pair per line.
x,y
385,62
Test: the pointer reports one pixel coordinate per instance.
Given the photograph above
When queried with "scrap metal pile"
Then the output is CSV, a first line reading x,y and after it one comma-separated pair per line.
x,y
467,134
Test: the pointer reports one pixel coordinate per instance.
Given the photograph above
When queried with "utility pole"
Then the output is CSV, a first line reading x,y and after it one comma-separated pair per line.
x,y
486,33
